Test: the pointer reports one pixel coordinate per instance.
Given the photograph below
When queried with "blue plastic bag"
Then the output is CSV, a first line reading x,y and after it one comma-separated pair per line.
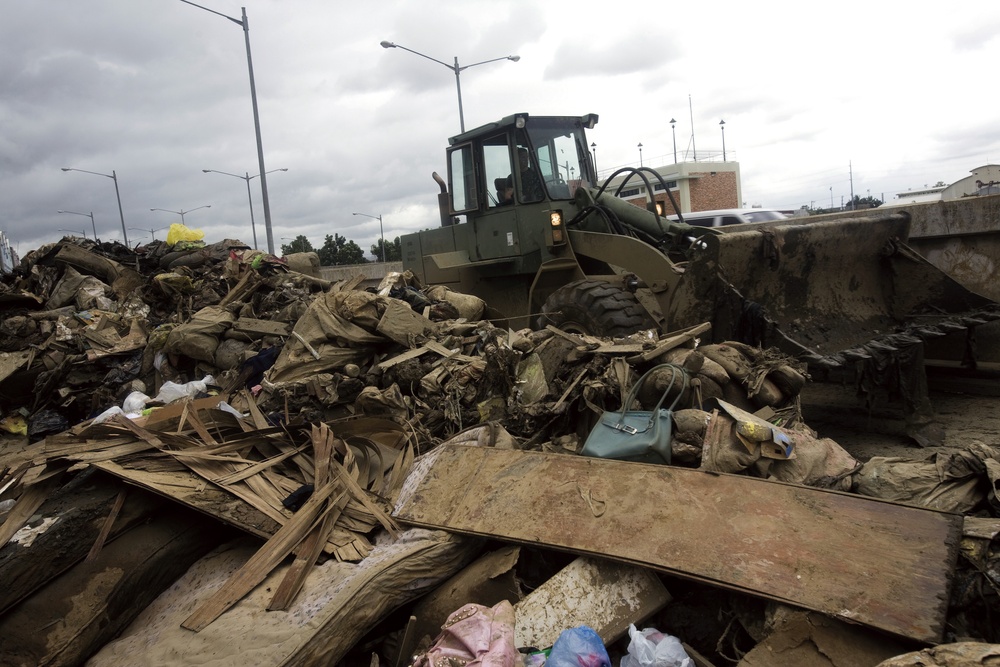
x,y
578,647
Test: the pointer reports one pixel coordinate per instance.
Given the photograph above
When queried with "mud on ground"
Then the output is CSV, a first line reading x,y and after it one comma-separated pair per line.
x,y
968,410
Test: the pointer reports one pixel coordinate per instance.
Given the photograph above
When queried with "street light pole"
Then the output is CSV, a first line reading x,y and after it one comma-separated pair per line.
x,y
673,130
114,177
640,153
91,214
593,150
455,68
245,24
722,126
380,232
181,212
247,178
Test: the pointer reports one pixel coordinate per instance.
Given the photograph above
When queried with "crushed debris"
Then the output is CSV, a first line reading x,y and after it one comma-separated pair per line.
x,y
302,418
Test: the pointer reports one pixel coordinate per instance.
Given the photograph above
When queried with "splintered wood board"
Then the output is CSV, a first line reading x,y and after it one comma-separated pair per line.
x,y
867,561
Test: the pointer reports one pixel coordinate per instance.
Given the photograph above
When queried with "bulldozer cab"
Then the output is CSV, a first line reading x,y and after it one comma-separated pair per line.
x,y
540,159
510,186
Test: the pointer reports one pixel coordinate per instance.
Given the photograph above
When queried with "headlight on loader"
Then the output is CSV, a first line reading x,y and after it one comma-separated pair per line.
x,y
556,230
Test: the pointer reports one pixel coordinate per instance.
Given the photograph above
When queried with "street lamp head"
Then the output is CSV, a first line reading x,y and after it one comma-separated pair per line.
x,y
66,169
672,121
722,122
387,44
207,171
514,58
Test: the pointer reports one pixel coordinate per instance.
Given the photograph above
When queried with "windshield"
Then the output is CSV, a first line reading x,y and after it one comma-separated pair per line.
x,y
561,153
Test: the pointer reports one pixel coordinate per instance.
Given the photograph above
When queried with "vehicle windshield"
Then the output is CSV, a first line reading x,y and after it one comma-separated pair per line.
x,y
562,155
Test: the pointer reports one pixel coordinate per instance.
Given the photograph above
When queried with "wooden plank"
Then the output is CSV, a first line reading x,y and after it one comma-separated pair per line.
x,y
595,592
405,356
188,489
674,340
311,547
860,559
261,563
109,523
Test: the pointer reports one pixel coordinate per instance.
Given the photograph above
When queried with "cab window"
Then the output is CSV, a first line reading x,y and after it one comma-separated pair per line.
x,y
462,179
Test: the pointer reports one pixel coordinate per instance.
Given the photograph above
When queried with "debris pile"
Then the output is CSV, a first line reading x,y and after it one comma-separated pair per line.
x,y
201,443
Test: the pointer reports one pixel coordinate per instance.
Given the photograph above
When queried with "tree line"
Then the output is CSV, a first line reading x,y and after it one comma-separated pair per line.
x,y
338,251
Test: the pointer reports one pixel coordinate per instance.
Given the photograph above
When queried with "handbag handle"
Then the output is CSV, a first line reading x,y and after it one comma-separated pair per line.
x,y
633,392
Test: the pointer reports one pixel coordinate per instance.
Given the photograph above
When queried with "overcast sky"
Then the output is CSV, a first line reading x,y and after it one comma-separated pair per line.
x,y
901,94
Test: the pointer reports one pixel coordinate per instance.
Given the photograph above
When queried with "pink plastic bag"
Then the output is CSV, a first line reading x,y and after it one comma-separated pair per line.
x,y
475,636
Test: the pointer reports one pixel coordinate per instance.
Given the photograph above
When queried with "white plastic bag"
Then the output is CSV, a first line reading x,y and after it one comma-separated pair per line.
x,y
171,391
135,402
652,648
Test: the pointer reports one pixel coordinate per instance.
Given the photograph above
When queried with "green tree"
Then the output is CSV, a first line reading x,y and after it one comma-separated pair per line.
x,y
300,244
338,251
393,250
351,253
328,252
861,203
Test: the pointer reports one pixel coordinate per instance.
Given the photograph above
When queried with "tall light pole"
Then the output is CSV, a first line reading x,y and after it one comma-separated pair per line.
x,y
593,150
245,24
247,178
380,232
640,153
455,68
114,177
181,212
673,130
722,126
152,232
91,215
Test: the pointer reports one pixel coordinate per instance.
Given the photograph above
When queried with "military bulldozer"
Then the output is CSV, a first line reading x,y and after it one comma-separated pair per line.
x,y
526,226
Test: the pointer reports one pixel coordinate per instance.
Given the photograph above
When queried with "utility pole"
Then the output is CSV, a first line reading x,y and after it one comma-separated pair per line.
x,y
850,171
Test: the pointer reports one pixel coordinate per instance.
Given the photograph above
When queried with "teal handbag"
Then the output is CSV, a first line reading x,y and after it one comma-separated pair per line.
x,y
637,435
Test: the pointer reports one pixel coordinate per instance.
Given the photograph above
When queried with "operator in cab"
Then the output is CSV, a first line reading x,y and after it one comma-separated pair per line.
x,y
531,182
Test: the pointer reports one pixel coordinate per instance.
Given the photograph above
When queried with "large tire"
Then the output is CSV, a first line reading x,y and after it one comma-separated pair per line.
x,y
594,307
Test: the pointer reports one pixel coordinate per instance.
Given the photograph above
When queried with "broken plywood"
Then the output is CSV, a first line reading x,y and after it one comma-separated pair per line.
x,y
859,559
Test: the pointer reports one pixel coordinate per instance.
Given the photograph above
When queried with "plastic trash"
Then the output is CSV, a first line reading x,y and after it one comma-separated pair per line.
x,y
179,232
652,648
578,647
172,391
135,402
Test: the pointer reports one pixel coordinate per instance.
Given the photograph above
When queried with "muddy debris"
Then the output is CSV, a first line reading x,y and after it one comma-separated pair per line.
x,y
253,448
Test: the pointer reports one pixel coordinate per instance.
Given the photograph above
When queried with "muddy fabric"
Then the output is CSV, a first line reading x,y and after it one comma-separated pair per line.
x,y
723,451
819,462
336,339
951,481
474,636
199,337
960,654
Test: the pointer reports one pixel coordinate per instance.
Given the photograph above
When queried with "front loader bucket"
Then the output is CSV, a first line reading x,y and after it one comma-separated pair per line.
x,y
823,291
